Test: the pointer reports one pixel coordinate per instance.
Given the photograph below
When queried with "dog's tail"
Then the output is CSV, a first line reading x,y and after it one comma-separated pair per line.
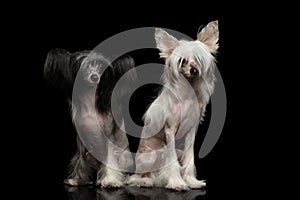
x,y
124,64
109,81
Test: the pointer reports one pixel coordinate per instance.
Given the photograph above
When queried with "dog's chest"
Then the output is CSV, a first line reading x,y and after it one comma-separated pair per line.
x,y
190,117
91,122
106,123
86,120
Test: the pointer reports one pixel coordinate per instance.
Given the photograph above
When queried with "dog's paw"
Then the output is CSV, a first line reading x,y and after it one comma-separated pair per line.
x,y
138,181
76,182
176,182
195,184
177,186
110,182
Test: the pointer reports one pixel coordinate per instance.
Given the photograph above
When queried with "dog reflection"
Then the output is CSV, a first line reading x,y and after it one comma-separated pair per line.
x,y
92,193
162,193
81,193
126,193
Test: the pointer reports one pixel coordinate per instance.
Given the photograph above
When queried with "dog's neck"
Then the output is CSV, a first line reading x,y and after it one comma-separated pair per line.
x,y
195,82
87,97
182,89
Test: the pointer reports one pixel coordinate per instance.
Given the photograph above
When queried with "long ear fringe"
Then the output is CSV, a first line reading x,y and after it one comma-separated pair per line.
x,y
56,68
163,55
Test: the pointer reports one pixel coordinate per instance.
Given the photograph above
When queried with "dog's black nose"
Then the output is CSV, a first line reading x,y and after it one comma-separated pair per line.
x,y
194,71
95,78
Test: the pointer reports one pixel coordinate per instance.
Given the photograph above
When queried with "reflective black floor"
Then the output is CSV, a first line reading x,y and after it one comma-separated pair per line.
x,y
92,193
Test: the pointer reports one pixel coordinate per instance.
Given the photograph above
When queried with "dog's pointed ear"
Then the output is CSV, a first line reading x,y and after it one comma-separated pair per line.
x,y
165,42
209,35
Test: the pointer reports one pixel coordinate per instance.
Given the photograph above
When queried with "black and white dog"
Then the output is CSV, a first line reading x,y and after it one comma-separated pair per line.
x,y
101,139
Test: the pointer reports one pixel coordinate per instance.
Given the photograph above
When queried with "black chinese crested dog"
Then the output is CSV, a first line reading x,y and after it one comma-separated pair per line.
x,y
95,78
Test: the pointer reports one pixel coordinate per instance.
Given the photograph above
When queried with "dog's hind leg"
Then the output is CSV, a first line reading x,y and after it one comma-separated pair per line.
x,y
145,161
80,171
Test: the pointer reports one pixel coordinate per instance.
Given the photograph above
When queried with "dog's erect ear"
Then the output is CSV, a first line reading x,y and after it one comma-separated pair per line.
x,y
164,42
209,35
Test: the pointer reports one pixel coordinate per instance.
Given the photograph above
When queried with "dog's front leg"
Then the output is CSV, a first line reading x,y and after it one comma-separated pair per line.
x,y
172,170
81,172
110,175
188,167
122,151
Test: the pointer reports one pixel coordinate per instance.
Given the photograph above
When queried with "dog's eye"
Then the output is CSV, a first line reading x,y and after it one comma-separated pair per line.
x,y
183,61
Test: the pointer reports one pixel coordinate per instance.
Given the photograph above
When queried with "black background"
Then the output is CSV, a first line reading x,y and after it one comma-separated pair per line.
x,y
46,137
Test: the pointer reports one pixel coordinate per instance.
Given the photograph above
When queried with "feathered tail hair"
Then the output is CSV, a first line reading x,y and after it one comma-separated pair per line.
x,y
109,80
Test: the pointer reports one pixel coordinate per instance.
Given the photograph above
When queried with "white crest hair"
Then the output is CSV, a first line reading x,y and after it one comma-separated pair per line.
x,y
202,52
191,50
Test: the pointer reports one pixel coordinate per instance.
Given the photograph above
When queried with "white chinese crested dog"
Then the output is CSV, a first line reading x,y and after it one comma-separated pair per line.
x,y
177,111
99,136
